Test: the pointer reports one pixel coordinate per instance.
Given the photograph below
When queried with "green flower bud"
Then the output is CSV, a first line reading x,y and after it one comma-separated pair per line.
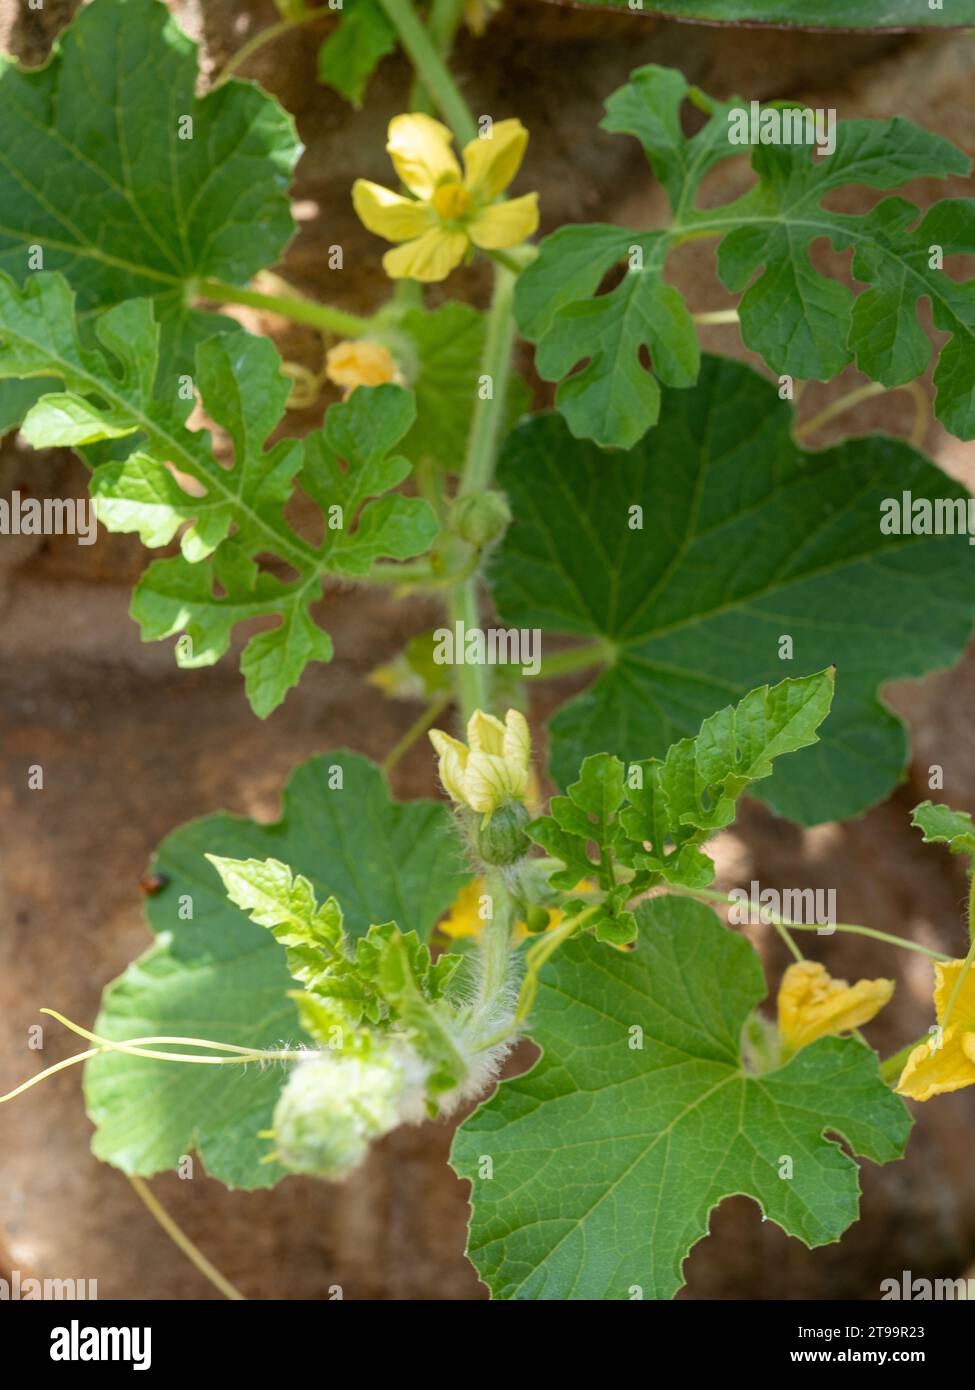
x,y
502,839
336,1103
480,517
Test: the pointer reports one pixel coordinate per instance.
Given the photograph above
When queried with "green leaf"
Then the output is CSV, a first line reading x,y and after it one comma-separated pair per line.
x,y
443,349
673,805
802,323
95,172
217,975
743,539
116,389
692,793
841,14
610,1155
351,53
17,397
943,826
384,971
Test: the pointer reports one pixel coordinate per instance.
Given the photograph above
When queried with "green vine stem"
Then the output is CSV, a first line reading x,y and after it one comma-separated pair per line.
x,y
431,68
444,21
489,412
322,316
709,895
182,1241
416,730
891,1067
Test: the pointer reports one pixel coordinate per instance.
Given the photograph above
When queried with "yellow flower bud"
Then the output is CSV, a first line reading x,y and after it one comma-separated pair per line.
x,y
362,363
813,1005
492,768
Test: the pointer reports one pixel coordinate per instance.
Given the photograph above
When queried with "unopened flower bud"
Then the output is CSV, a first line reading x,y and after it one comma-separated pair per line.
x,y
480,517
492,768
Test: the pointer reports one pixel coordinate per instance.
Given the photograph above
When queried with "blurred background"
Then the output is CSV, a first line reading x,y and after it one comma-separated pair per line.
x,y
132,747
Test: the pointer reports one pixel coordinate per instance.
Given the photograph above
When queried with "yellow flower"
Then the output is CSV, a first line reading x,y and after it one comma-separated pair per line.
x,y
493,769
449,210
947,1061
464,917
813,1005
362,363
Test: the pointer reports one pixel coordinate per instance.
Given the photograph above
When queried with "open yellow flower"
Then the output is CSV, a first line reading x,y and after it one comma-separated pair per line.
x,y
947,1061
813,1005
492,767
449,210
361,363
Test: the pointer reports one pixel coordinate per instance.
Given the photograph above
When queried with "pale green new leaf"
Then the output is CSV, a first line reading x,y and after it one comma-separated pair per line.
x,y
717,556
609,1156
803,323
116,389
214,974
692,793
941,825
321,957
651,816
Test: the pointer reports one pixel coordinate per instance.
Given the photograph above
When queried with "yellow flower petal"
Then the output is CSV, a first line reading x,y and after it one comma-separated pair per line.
x,y
946,1063
813,1005
495,768
487,783
485,734
517,743
463,918
505,224
491,162
420,149
932,1070
430,257
389,214
946,975
453,764
362,363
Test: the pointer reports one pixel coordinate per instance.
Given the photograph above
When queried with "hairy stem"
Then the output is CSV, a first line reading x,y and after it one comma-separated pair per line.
x,y
482,447
470,680
489,411
445,17
431,69
296,308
